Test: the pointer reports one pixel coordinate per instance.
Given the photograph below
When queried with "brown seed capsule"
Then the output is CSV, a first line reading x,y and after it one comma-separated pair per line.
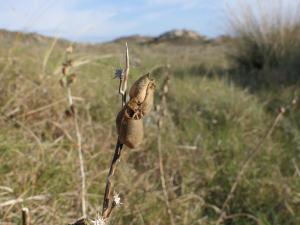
x,y
71,79
139,89
147,104
130,130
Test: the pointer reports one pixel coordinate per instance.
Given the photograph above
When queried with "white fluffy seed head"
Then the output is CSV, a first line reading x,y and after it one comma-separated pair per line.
x,y
98,221
117,200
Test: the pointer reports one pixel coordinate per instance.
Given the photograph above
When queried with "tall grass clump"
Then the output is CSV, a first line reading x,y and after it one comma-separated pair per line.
x,y
267,37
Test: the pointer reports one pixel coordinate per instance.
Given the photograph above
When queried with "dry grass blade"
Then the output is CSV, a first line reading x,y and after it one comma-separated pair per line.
x,y
21,200
48,53
161,114
43,108
246,164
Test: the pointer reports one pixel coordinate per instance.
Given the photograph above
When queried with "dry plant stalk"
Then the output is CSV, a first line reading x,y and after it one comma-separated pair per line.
x,y
21,200
129,121
66,81
80,222
124,78
246,164
108,203
161,110
25,216
129,127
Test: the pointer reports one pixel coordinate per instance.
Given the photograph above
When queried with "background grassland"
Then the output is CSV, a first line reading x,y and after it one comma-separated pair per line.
x,y
219,108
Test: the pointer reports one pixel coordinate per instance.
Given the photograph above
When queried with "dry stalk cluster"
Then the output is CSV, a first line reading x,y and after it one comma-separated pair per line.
x,y
129,123
66,81
130,119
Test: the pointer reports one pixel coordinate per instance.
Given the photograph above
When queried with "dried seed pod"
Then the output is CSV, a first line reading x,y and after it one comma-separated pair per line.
x,y
147,104
71,79
130,130
139,89
134,109
70,112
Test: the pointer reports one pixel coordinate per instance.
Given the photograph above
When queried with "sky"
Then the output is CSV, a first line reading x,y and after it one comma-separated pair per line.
x,y
103,20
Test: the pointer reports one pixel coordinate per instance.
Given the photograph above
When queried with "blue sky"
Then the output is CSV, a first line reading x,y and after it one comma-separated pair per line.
x,y
99,20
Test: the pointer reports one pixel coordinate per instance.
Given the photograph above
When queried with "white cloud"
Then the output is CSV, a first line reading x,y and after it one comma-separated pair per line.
x,y
184,4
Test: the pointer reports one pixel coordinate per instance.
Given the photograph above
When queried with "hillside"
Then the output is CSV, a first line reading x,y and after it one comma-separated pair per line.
x,y
179,37
214,121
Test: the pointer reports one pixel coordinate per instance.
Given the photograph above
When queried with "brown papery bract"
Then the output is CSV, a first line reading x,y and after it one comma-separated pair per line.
x,y
129,120
147,104
139,88
130,128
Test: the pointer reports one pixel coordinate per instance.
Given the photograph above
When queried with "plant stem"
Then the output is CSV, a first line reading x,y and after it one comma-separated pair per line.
x,y
107,204
108,188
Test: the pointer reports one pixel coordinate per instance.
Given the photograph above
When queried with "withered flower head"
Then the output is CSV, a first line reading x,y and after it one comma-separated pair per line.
x,y
143,93
139,89
129,127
